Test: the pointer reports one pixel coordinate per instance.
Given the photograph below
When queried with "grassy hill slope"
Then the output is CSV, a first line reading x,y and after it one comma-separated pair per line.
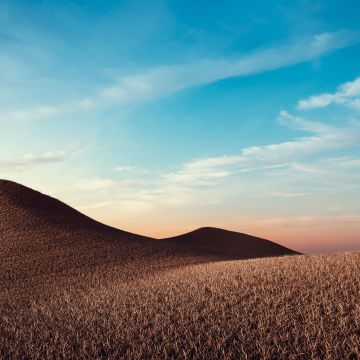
x,y
72,288
44,243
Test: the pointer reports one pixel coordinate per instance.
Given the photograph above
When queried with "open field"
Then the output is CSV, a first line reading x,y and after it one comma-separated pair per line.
x,y
72,288
303,307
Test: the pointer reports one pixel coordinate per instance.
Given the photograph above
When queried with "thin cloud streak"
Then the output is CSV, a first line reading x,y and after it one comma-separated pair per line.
x,y
29,160
95,184
276,155
168,79
307,221
191,182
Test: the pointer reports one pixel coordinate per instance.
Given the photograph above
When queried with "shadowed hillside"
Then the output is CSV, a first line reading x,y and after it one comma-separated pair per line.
x,y
42,239
23,208
224,242
32,221
73,288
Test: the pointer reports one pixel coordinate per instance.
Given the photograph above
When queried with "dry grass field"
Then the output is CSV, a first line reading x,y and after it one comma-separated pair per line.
x,y
303,307
72,288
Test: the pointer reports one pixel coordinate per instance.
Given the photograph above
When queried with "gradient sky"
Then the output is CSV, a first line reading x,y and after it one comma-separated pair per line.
x,y
162,116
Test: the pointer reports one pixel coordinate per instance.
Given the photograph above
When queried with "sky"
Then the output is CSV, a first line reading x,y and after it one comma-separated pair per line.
x,y
159,117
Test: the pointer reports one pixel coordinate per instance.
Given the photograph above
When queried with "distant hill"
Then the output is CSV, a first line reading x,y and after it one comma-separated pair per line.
x,y
228,243
73,288
42,238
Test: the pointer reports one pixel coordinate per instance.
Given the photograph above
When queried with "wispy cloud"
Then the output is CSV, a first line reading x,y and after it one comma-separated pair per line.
x,y
124,168
129,169
324,138
231,175
29,160
347,94
287,194
306,168
164,80
95,184
307,220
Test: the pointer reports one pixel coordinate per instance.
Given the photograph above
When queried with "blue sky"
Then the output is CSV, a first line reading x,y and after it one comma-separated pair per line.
x,y
158,117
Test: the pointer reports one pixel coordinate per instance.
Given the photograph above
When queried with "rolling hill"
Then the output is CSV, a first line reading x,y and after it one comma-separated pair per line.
x,y
46,246
44,243
40,236
73,288
228,243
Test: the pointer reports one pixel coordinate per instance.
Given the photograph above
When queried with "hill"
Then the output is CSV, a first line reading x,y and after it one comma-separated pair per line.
x,y
23,208
73,288
45,243
230,243
40,237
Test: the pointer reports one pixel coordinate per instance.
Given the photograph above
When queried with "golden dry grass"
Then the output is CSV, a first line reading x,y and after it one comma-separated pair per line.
x,y
72,288
298,307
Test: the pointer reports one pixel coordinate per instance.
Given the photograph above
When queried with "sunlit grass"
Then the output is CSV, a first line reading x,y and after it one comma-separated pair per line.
x,y
298,307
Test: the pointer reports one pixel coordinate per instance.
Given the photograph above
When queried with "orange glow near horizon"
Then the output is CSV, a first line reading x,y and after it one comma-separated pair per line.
x,y
307,239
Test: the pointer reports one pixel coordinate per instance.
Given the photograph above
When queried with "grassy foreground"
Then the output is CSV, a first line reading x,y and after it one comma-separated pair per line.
x,y
297,307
